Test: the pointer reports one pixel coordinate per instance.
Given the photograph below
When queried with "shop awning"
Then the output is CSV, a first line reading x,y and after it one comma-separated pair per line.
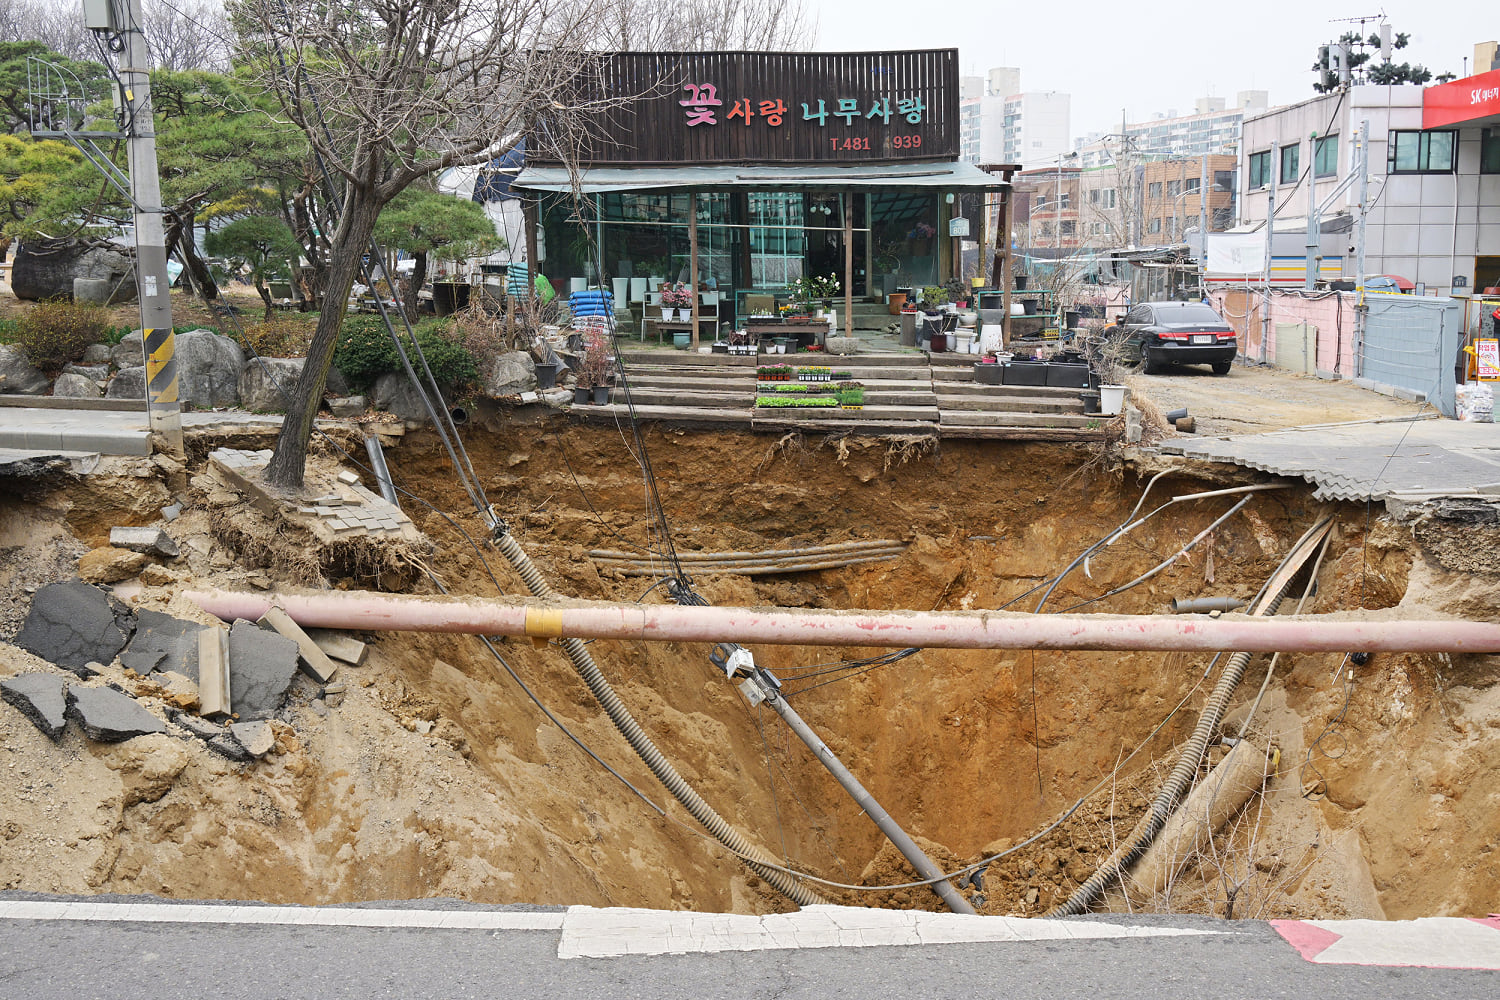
x,y
947,176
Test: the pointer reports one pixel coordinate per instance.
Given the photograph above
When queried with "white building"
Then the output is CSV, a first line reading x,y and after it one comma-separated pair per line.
x,y
1212,128
1434,177
998,123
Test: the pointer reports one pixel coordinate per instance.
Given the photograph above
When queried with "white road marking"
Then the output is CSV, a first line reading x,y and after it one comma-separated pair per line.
x,y
1436,942
307,916
611,933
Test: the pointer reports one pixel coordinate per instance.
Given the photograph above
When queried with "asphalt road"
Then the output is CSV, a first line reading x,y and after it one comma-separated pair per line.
x,y
107,959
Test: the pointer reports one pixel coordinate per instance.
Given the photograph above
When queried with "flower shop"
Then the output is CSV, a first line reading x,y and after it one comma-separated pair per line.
x,y
745,190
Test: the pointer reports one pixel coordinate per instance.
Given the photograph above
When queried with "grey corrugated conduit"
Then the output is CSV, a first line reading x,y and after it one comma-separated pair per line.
x,y
1192,752
704,813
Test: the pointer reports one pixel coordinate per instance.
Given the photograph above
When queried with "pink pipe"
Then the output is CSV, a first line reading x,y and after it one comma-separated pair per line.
x,y
896,629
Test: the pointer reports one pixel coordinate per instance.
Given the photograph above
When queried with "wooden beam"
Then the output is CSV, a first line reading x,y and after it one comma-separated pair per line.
x,y
848,263
693,263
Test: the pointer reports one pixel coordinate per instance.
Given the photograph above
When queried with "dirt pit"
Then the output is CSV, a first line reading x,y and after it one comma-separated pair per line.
x,y
438,776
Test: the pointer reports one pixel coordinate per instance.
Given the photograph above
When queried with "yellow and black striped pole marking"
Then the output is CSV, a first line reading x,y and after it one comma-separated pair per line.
x,y
164,407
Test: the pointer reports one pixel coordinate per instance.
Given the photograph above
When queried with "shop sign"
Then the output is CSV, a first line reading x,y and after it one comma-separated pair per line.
x,y
1460,101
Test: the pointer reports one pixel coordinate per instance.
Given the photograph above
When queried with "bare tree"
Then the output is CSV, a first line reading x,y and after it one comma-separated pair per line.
x,y
187,34
58,24
390,91
707,26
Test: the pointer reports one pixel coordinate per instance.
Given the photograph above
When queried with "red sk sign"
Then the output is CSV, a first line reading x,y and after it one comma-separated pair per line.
x,y
1467,100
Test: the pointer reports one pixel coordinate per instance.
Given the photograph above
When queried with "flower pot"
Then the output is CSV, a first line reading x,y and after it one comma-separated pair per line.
x,y
1024,373
667,312
546,374
684,315
897,300
580,394
939,343
601,394
987,374
1111,399
637,289
682,338
1067,376
621,288
1090,400
720,349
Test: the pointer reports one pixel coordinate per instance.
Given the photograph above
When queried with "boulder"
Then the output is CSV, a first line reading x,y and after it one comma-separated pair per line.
x,y
73,624
261,667
347,406
96,354
109,716
93,291
18,376
70,386
129,352
45,269
394,394
258,385
208,369
109,565
41,698
97,372
510,375
128,383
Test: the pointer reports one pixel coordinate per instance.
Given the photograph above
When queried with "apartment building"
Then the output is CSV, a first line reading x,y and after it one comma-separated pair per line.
x,y
999,123
1211,128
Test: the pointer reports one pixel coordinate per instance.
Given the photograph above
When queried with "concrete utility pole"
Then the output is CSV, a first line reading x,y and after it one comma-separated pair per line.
x,y
1310,282
1360,309
1265,315
152,281
1203,227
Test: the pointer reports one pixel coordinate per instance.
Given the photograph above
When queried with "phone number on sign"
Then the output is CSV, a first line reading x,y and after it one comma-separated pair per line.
x,y
897,142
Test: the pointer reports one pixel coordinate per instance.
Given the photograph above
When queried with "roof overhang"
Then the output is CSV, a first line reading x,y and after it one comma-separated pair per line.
x,y
946,176
1473,101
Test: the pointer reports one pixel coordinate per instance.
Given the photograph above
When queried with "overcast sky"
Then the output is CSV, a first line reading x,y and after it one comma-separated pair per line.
x,y
1149,57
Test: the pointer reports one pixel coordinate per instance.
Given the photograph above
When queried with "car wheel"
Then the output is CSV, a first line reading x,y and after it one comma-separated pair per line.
x,y
1152,364
1222,367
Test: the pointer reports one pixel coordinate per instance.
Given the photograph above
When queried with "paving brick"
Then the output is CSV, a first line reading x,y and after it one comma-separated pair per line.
x,y
313,661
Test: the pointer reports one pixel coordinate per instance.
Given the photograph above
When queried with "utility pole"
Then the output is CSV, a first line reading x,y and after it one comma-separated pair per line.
x,y
1311,245
152,281
1360,308
1265,311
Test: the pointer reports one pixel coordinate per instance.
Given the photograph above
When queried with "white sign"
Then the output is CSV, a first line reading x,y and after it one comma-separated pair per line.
x,y
150,283
958,227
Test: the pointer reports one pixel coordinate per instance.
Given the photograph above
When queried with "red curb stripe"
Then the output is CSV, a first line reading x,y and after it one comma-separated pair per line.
x,y
1309,940
1492,921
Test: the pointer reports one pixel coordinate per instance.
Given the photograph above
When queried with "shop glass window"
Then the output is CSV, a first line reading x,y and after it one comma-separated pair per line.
x,y
1326,156
1260,169
1489,151
1291,161
1411,152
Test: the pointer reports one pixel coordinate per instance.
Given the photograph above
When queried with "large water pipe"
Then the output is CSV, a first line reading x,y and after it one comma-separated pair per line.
x,y
561,618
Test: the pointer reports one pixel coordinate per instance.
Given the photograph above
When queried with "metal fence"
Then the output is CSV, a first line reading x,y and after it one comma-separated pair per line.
x,y
1411,342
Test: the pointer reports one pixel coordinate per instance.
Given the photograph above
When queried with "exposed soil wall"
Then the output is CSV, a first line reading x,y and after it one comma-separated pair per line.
x,y
437,776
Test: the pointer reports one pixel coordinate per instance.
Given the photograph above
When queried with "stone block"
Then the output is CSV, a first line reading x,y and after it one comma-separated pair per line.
x,y
175,639
72,386
261,667
843,345
314,662
265,382
71,624
213,671
109,565
152,541
109,716
40,697
258,738
340,646
96,354
17,375
91,291
130,352
128,383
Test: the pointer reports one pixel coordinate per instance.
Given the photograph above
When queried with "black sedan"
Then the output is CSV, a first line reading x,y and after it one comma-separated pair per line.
x,y
1161,334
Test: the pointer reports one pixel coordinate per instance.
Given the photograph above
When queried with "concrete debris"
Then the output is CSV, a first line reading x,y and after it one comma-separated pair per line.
x,y
174,638
152,541
109,565
348,478
340,645
201,728
314,662
261,667
71,624
257,738
227,746
213,671
108,716
40,697
171,512
176,689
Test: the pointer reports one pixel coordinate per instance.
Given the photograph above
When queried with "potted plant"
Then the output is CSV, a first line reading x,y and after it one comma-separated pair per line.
x,y
592,378
678,296
823,288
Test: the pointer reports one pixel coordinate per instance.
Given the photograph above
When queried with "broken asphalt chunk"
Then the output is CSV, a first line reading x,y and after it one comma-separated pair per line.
x,y
261,667
201,728
151,541
71,624
174,640
226,745
108,716
40,697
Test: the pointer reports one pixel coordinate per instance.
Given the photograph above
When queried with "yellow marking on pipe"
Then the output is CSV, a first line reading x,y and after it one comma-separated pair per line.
x,y
543,623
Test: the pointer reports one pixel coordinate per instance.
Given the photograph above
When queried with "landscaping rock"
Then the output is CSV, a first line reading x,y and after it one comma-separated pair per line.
x,y
347,406
108,716
17,375
394,394
71,624
208,369
261,667
40,697
257,738
258,390
129,352
96,354
173,640
843,345
128,383
151,541
510,375
45,269
69,386
95,372
109,565
91,291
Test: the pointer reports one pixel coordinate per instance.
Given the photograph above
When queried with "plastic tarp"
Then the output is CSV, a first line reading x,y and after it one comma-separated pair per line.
x,y
1237,255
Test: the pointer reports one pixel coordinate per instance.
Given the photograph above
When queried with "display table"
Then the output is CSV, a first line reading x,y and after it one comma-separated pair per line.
x,y
658,327
805,333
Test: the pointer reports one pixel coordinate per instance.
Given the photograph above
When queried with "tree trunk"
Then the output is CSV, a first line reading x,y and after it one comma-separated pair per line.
x,y
418,279
180,238
290,457
265,296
